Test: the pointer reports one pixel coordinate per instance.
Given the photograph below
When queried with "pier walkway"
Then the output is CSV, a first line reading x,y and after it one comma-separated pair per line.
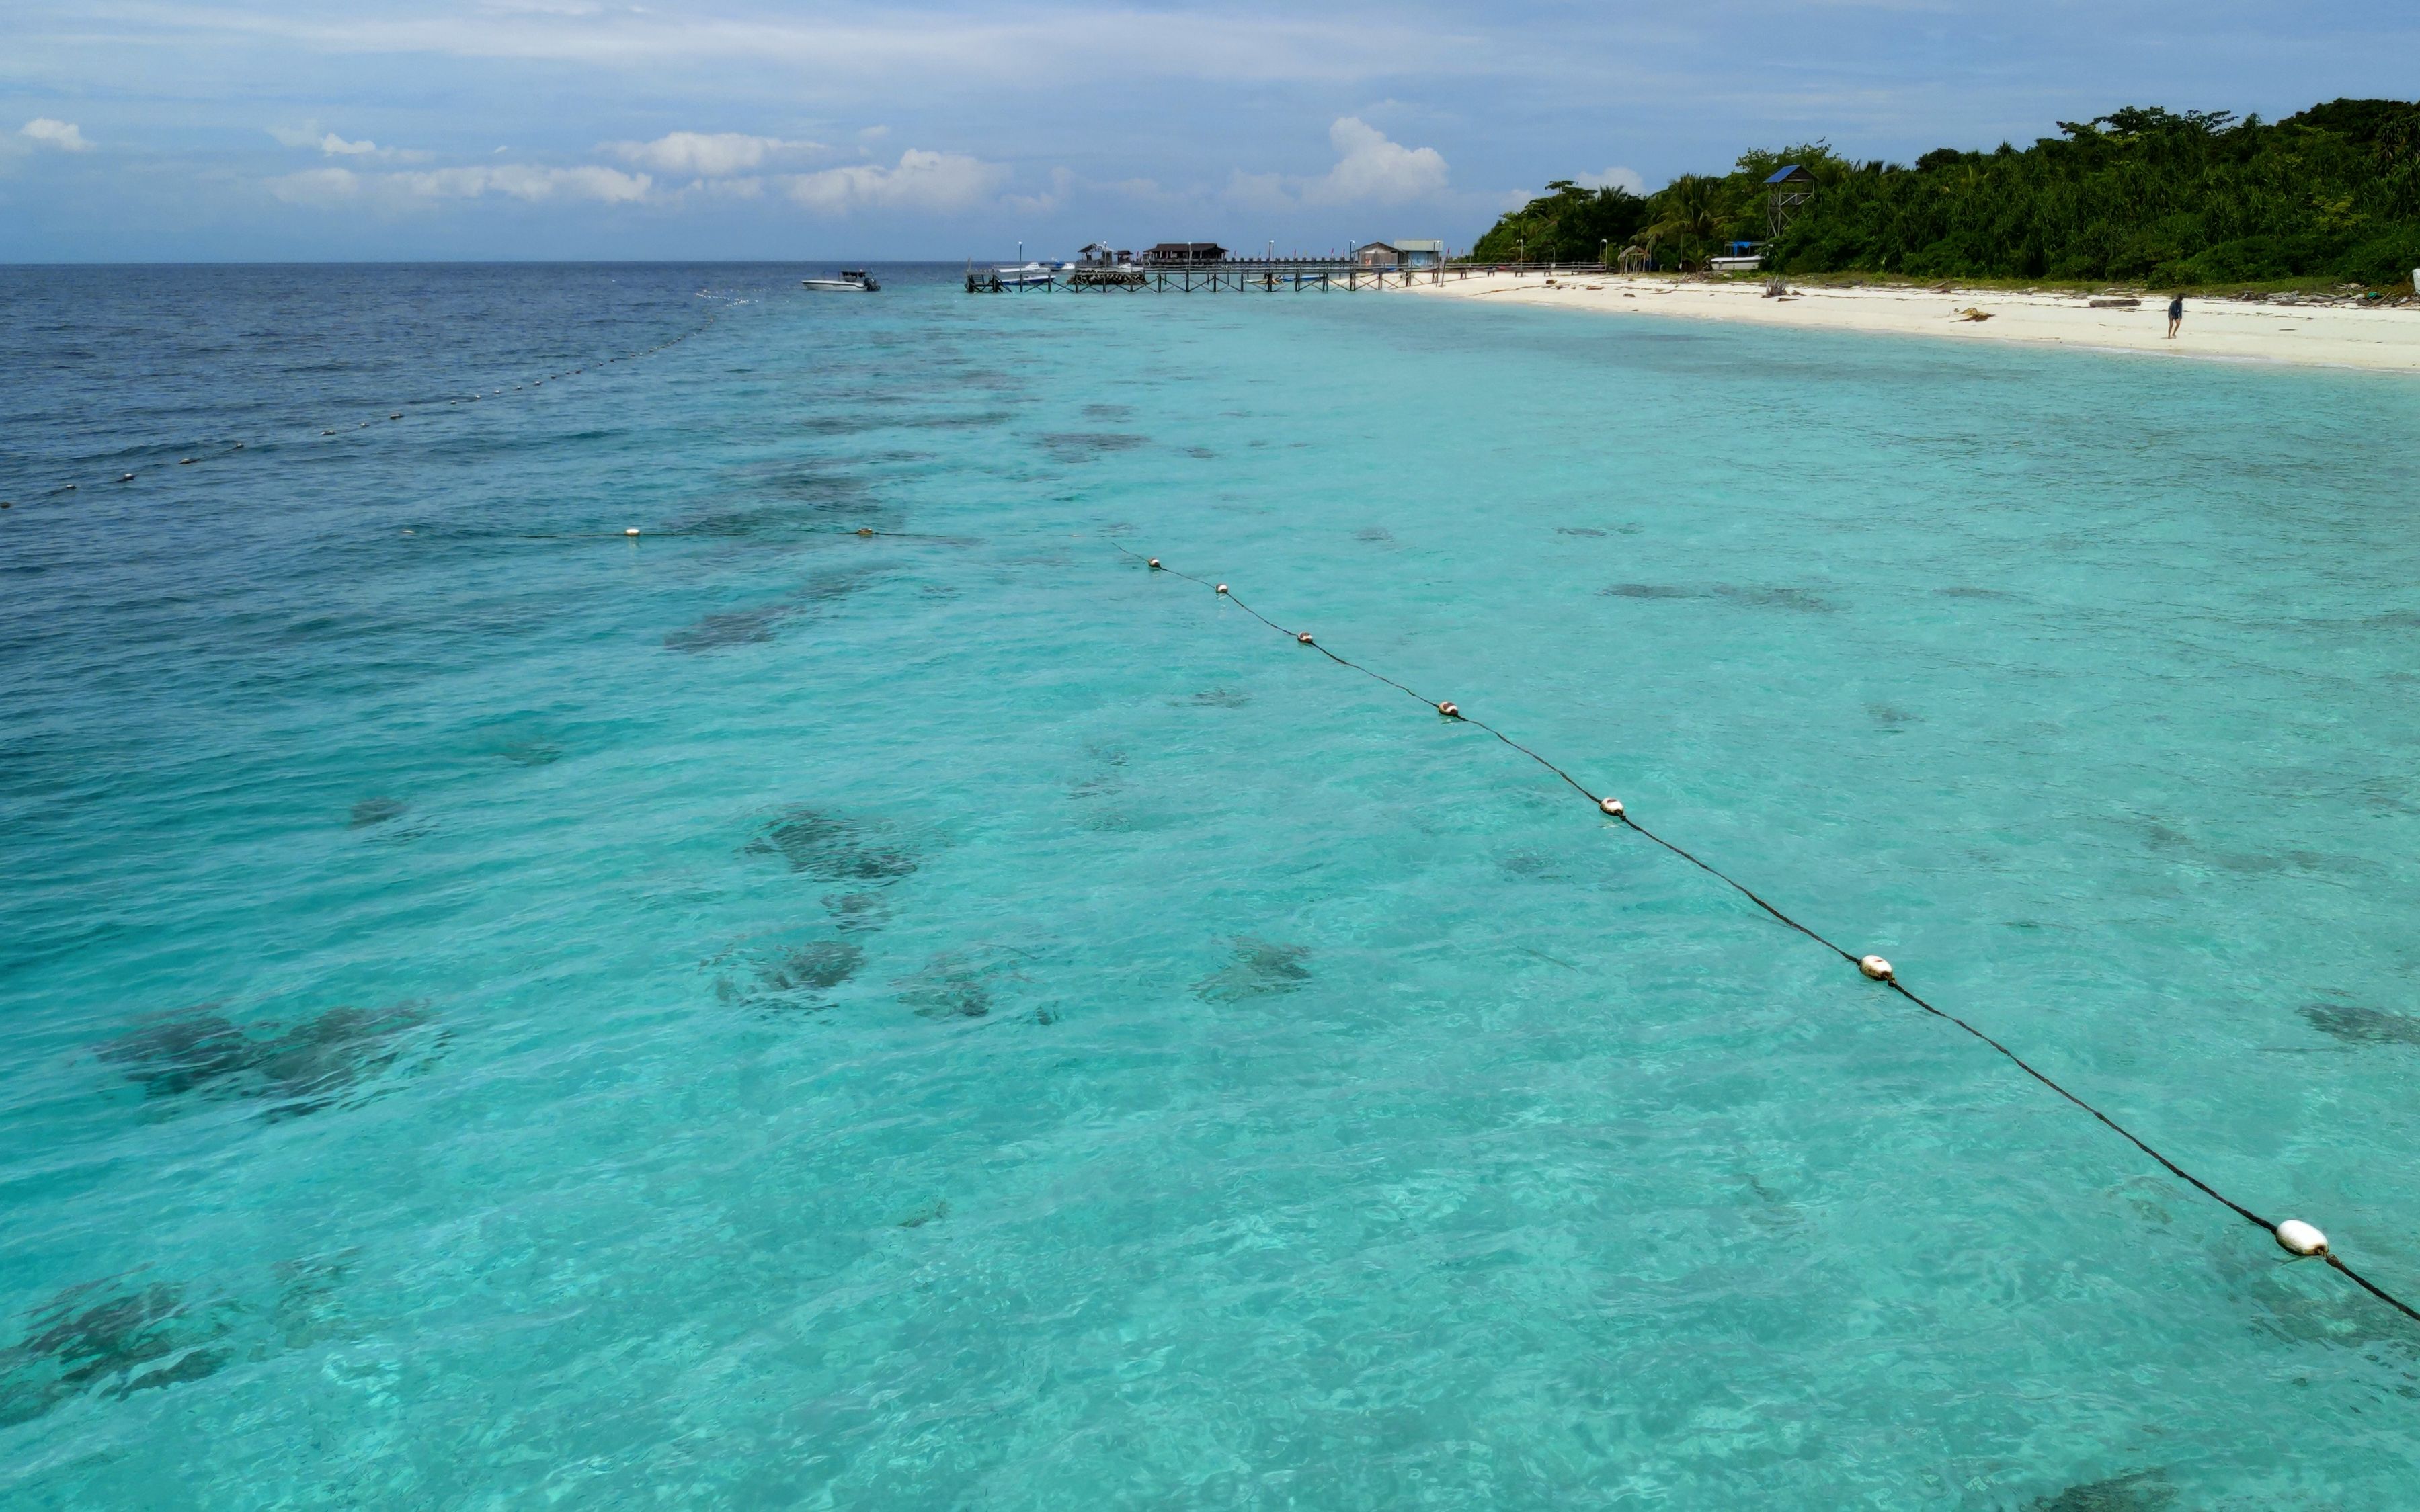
x,y
1253,275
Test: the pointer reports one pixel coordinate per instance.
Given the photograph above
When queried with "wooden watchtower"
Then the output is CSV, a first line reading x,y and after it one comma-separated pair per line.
x,y
1786,193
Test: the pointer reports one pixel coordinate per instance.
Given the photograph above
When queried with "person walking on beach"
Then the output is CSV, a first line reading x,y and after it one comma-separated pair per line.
x,y
2176,315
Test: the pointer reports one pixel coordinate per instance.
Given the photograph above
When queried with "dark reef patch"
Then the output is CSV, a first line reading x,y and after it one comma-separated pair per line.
x,y
113,1337
961,984
788,977
1257,969
2355,1025
816,968
375,812
2146,1491
820,844
303,1068
531,752
1089,445
1789,598
732,627
1577,530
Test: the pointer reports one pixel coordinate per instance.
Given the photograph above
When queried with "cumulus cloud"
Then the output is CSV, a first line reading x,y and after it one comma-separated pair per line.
x,y
1049,199
330,145
1372,169
43,132
1613,178
336,186
922,181
709,154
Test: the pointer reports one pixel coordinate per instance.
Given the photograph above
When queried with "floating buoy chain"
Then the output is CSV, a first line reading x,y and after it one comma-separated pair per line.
x,y
398,414
2293,1235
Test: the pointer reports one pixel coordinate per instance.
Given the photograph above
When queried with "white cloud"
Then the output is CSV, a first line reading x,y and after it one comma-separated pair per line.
x,y
317,186
922,181
1049,199
1613,178
1372,169
708,155
331,146
609,185
337,186
44,132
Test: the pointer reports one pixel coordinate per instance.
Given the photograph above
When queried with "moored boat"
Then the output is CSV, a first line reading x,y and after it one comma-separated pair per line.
x,y
851,281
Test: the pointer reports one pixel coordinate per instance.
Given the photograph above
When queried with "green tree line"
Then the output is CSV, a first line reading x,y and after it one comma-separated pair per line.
x,y
2139,194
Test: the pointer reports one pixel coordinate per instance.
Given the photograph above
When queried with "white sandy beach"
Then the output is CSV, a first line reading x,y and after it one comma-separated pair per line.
x,y
2316,335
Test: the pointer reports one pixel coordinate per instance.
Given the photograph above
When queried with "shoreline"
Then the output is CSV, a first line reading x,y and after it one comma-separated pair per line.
x,y
2301,335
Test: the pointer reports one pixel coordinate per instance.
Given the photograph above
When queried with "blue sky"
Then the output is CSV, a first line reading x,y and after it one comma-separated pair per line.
x,y
738,129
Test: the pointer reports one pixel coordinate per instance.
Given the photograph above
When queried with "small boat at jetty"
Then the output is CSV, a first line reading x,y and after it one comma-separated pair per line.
x,y
1032,274
851,281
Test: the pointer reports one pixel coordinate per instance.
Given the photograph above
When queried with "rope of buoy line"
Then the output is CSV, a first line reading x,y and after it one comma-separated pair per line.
x,y
2293,1235
699,329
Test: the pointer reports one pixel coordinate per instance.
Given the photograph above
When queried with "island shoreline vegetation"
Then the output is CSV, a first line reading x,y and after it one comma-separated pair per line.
x,y
2140,196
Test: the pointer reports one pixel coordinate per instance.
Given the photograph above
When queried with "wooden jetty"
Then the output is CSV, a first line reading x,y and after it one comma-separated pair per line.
x,y
1254,275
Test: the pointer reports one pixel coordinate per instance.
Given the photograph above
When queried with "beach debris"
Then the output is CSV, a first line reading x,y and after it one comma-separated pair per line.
x,y
1971,313
1774,288
2296,1237
2114,303
1945,288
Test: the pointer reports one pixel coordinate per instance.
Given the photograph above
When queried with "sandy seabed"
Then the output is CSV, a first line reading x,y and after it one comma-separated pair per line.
x,y
2312,334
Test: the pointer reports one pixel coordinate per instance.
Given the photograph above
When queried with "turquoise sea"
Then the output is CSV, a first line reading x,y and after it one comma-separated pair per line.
x,y
497,1013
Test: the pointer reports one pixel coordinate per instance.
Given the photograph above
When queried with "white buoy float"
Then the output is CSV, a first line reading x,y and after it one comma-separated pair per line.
x,y
1611,807
2296,1237
1875,968
1155,563
1222,587
1304,638
631,531
1448,709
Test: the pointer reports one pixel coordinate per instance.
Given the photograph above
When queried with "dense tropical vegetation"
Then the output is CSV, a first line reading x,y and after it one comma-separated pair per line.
x,y
2139,194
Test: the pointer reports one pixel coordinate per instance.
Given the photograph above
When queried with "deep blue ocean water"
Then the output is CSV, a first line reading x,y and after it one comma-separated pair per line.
x,y
497,1013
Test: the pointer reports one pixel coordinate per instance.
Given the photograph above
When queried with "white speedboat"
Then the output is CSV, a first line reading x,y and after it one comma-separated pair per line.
x,y
1030,275
851,281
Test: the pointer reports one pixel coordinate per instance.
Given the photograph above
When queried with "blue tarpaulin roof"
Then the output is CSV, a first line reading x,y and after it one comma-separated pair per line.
x,y
1789,175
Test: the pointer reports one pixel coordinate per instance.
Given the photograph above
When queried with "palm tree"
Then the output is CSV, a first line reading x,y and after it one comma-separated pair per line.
x,y
1689,216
